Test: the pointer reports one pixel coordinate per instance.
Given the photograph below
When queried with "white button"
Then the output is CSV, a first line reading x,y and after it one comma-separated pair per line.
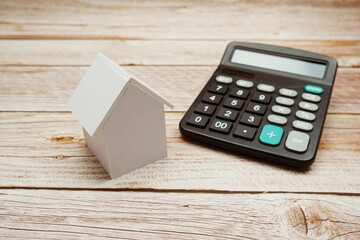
x,y
305,115
301,125
284,101
265,87
224,79
311,97
244,83
277,119
308,106
297,141
281,110
288,92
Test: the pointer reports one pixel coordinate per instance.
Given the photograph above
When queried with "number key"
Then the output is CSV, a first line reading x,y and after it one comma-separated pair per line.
x,y
251,119
212,98
239,93
234,103
256,108
227,114
205,109
261,97
198,120
218,88
221,126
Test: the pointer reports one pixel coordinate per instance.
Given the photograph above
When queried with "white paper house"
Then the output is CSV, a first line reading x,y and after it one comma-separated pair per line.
x,y
123,119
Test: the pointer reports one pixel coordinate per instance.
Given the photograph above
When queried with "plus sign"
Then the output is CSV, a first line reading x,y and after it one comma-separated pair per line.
x,y
271,134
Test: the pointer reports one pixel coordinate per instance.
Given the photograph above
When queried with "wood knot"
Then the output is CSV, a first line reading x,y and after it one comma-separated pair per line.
x,y
309,219
66,140
62,139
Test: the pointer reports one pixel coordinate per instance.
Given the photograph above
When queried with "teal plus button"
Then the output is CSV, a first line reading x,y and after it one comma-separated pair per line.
x,y
271,135
313,89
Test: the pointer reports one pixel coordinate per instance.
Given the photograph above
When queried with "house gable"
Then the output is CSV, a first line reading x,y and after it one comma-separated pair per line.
x,y
135,132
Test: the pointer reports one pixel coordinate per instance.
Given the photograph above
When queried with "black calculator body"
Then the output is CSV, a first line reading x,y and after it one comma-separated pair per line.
x,y
264,101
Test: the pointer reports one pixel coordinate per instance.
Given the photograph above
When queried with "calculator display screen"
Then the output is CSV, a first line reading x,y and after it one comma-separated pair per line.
x,y
283,64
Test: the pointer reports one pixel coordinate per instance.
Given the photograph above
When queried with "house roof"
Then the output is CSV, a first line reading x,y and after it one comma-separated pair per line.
x,y
103,83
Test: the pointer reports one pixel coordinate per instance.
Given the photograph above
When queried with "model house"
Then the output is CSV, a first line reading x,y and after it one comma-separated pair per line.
x,y
123,119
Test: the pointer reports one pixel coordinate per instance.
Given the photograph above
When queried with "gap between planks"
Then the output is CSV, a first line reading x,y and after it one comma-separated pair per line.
x,y
179,190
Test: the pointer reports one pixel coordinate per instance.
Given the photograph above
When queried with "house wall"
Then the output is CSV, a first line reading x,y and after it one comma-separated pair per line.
x,y
135,132
98,147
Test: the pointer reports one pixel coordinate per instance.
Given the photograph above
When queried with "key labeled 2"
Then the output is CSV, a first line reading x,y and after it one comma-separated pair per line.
x,y
227,114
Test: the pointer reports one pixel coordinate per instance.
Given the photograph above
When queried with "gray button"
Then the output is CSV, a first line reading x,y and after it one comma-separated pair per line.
x,y
305,115
308,106
281,110
311,97
224,79
277,119
284,101
301,125
288,92
265,87
297,141
244,83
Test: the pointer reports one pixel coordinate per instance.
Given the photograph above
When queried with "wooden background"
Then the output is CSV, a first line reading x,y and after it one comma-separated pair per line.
x,y
52,187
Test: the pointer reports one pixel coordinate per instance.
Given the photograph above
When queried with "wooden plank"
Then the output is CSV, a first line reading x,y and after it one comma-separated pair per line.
x,y
154,52
47,150
49,88
45,214
181,19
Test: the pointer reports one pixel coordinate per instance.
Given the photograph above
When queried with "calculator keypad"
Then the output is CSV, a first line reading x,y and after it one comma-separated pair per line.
x,y
239,109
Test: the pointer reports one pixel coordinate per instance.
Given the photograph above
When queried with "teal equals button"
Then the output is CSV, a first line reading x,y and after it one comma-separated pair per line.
x,y
271,135
314,89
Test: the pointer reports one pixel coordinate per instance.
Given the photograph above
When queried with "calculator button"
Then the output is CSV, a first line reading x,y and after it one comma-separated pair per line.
x,y
227,114
281,110
205,109
277,119
261,97
234,103
251,119
308,106
224,79
244,83
212,98
311,97
313,89
221,126
266,88
297,141
240,93
198,120
271,135
288,92
245,132
284,101
218,88
305,115
301,125
256,108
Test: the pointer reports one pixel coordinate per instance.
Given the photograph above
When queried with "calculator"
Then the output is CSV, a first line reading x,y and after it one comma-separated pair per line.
x,y
264,101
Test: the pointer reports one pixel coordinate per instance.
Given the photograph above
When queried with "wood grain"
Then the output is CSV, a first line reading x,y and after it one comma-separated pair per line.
x,y
43,214
161,19
152,52
47,150
49,88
